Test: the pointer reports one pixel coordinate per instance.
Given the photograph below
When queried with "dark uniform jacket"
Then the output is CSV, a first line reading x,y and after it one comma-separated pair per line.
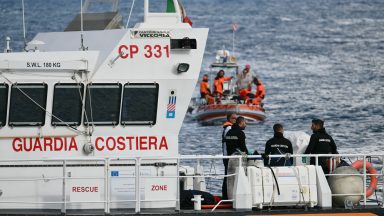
x,y
321,143
235,140
278,145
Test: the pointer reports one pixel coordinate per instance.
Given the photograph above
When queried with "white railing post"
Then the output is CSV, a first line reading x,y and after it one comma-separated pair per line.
x,y
365,179
137,183
64,198
106,187
146,10
382,181
240,160
178,185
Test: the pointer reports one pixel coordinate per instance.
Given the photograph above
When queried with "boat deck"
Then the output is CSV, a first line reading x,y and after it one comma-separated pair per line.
x,y
369,211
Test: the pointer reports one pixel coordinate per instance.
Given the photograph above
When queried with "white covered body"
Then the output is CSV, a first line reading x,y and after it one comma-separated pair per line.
x,y
300,141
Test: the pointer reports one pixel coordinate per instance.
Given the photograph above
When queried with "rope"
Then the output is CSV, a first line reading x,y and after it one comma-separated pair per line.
x,y
90,129
277,187
38,105
300,185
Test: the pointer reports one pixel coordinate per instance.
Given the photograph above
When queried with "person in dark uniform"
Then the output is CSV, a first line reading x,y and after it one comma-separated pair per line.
x,y
235,138
278,145
320,143
231,119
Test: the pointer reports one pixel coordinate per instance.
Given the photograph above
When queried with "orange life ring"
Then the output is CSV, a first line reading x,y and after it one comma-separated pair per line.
x,y
371,170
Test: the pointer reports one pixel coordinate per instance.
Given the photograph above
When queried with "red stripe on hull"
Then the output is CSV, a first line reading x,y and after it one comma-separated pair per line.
x,y
218,112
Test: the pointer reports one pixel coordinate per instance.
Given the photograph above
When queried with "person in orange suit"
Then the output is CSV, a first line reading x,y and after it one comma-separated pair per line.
x,y
219,84
260,91
205,91
204,87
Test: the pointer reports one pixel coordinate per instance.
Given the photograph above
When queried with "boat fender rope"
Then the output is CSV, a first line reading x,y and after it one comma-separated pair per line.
x,y
274,177
297,174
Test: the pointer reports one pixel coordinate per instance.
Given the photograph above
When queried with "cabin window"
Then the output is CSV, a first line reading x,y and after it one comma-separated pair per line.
x,y
3,103
102,105
67,104
28,104
139,104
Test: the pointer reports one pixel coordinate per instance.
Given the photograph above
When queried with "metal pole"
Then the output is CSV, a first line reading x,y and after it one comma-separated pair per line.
x,y
81,16
146,11
106,187
365,180
233,42
137,183
239,163
178,186
24,33
382,180
64,207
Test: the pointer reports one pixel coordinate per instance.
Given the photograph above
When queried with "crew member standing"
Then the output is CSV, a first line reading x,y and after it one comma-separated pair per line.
x,y
204,87
320,143
278,145
231,119
219,84
205,91
260,91
235,138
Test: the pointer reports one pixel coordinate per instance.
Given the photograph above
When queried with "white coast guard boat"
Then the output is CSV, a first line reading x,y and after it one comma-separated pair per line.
x,y
98,100
90,121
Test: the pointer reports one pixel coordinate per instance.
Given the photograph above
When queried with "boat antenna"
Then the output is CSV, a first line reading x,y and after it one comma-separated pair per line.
x,y
234,29
130,13
82,47
25,39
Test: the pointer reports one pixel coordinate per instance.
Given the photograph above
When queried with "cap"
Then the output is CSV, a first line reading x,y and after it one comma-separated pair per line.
x,y
248,66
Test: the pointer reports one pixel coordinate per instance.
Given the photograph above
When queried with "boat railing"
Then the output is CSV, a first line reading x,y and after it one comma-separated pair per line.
x,y
179,161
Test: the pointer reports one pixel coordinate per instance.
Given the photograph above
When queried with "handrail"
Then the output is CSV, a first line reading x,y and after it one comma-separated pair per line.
x,y
137,161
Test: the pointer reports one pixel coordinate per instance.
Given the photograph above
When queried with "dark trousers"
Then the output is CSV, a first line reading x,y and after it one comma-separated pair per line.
x,y
224,187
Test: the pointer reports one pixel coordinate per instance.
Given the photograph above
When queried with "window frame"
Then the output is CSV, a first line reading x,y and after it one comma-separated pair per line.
x,y
88,124
6,86
133,123
27,124
74,85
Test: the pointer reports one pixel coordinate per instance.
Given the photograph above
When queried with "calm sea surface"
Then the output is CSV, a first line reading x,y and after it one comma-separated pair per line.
x,y
317,58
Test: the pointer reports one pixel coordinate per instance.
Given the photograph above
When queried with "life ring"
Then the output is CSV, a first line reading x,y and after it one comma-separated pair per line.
x,y
371,170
